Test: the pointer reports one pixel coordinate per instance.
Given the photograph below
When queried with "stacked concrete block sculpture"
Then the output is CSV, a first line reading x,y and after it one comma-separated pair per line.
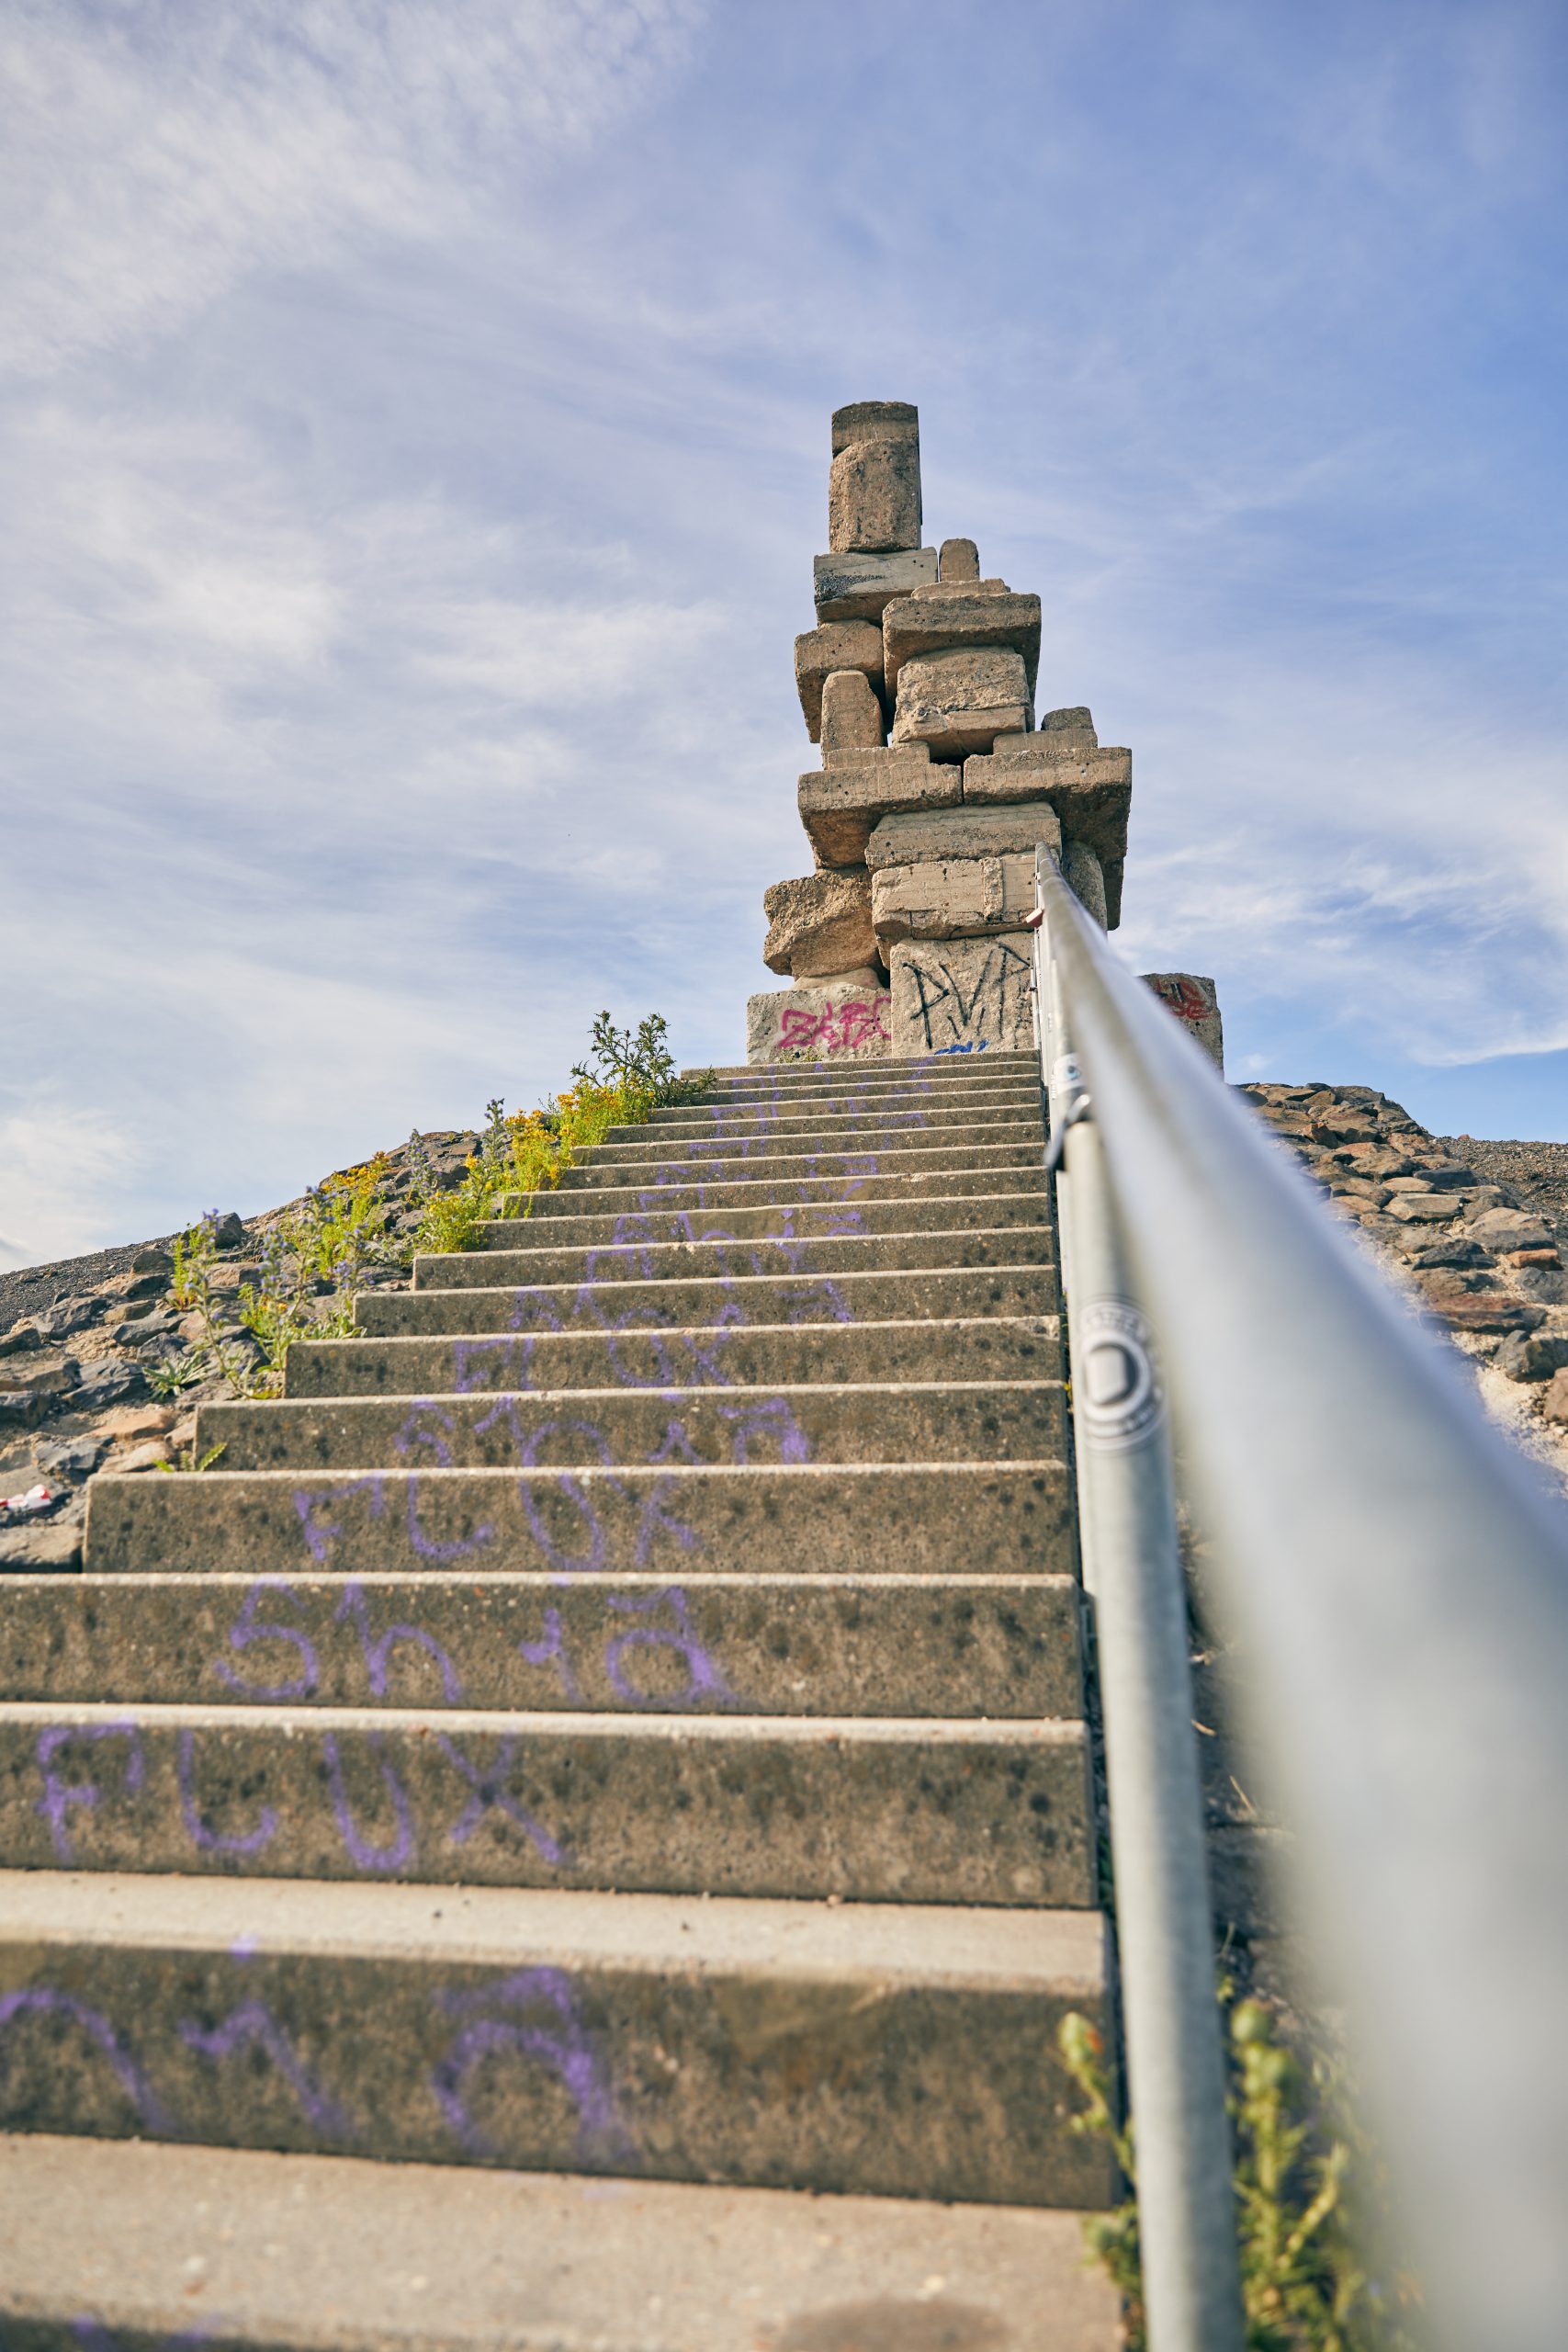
x,y
936,782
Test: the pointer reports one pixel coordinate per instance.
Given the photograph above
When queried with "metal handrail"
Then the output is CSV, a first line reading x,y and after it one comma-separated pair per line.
x,y
1396,1576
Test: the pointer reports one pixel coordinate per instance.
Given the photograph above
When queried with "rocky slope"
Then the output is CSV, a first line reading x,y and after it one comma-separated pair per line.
x,y
92,1349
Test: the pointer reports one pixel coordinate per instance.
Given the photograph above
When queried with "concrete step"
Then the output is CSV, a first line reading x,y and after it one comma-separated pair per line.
x,y
920,1215
794,1645
618,1261
1025,1347
1007,1518
847,1194
731,1301
809,1139
897,2050
977,1068
934,1421
633,1164
939,1106
255,2251
865,1811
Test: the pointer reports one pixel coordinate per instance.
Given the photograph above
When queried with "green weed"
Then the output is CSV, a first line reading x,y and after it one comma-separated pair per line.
x,y
1307,2190
627,1075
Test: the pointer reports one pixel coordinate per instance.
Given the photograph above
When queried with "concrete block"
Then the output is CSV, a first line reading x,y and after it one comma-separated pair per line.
x,y
1086,878
959,702
961,996
958,560
852,715
943,618
874,498
1090,788
1194,1000
837,1020
894,2051
840,804
837,645
917,835
762,1356
819,924
906,1519
875,421
951,898
849,587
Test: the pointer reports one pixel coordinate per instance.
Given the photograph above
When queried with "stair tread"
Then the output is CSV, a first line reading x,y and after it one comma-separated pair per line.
x,y
342,2253
509,1928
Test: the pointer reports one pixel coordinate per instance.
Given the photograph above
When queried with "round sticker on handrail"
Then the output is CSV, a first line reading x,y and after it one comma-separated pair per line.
x,y
1117,1396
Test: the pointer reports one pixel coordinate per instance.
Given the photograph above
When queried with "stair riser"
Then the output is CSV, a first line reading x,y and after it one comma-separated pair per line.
x,y
735,1301
700,1148
952,1815
817,1223
718,1427
1028,1348
884,2086
724,1166
977,1069
623,1262
1006,1518
783,1646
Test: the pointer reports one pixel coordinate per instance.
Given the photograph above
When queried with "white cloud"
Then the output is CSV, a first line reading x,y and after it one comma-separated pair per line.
x,y
156,153
62,1167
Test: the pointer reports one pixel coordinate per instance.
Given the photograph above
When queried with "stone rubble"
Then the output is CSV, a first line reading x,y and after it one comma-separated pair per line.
x,y
1487,1266
937,781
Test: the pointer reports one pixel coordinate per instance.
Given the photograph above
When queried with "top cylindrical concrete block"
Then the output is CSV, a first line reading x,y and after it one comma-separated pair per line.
x,y
876,421
958,560
873,484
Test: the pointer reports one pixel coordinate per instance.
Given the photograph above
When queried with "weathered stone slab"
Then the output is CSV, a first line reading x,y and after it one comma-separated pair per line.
x,y
940,620
840,804
1074,722
849,587
951,898
960,701
832,1021
819,925
1196,1004
875,421
873,497
851,714
917,835
1085,877
958,560
960,996
838,644
1091,789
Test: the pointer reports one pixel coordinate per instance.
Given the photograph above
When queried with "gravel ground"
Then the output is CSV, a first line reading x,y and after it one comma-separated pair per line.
x,y
33,1290
1537,1172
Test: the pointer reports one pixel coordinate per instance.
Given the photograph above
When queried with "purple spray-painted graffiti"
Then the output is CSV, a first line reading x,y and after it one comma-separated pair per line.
x,y
47,2000
561,2044
208,1840
251,2026
60,1795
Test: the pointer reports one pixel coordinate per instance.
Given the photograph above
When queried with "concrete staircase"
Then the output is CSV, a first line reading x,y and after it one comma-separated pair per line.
x,y
579,1830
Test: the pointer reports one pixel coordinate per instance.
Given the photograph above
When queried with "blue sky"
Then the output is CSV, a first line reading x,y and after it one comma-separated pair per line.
x,y
415,440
